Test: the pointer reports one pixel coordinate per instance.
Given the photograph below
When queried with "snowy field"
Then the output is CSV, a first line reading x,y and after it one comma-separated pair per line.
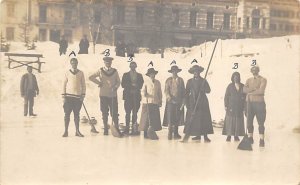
x,y
33,151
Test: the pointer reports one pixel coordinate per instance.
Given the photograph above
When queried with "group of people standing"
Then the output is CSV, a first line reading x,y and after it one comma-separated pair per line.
x,y
83,45
239,99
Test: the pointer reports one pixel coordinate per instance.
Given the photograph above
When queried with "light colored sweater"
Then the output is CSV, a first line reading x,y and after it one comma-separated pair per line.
x,y
107,80
74,84
255,88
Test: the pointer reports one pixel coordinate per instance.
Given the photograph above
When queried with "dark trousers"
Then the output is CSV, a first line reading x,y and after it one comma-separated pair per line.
x,y
131,105
72,105
28,104
109,104
257,109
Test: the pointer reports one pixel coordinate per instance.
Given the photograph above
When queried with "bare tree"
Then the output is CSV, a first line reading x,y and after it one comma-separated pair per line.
x,y
25,33
92,25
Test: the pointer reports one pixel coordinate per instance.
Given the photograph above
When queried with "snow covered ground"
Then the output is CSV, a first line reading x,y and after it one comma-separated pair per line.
x,y
33,151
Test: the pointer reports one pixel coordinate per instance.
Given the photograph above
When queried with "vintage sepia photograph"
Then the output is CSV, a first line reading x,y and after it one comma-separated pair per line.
x,y
150,92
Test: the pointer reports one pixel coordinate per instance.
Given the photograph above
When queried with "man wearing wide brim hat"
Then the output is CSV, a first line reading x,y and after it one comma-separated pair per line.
x,y
152,100
132,82
107,78
196,68
174,113
198,118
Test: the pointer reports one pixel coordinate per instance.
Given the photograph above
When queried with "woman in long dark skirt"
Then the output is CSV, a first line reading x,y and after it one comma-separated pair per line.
x,y
198,119
234,105
152,101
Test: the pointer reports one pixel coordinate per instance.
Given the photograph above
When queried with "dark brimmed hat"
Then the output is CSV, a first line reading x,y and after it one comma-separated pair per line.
x,y
151,71
107,59
196,68
174,68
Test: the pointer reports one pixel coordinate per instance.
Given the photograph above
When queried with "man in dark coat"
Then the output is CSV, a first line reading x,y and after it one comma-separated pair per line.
x,y
198,117
84,45
132,82
256,106
63,45
29,89
120,48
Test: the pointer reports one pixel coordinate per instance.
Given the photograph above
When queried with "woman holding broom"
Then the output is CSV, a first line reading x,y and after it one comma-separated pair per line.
x,y
152,101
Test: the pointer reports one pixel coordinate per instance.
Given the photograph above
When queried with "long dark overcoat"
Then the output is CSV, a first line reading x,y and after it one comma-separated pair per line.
x,y
198,122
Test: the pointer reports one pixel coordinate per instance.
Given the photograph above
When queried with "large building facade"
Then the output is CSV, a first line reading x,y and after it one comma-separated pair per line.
x,y
148,23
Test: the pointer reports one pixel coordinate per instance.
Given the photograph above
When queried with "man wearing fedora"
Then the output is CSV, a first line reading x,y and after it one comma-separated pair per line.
x,y
152,101
73,94
175,92
198,117
256,106
132,82
107,78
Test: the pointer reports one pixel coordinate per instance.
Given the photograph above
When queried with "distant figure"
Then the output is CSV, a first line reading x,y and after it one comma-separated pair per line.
x,y
84,45
63,45
132,82
255,89
130,49
120,48
152,101
29,89
73,94
234,105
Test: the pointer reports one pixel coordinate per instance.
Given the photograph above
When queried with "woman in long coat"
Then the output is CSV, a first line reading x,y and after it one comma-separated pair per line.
x,y
198,119
175,92
152,101
234,105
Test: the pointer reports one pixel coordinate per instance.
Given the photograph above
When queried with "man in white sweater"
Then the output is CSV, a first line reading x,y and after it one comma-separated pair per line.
x,y
107,78
73,95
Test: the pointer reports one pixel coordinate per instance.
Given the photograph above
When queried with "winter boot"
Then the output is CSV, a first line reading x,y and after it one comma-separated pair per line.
x,y
176,134
236,138
261,143
228,139
206,139
185,138
78,134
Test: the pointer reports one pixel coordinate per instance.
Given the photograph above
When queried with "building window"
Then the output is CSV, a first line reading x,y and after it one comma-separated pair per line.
x,y
264,23
255,19
10,33
42,35
68,16
193,19
42,13
97,15
68,34
273,27
226,21
10,9
120,14
239,22
248,22
139,15
175,17
210,20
